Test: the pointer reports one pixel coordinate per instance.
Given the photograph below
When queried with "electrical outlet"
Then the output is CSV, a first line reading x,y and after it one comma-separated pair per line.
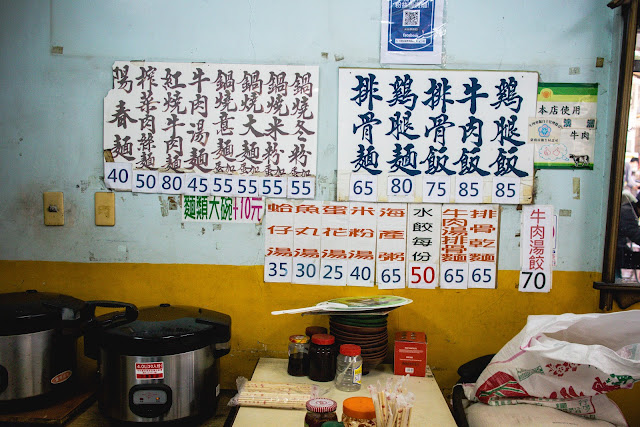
x,y
105,208
53,203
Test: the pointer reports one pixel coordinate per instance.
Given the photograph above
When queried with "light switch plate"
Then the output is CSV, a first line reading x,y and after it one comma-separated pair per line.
x,y
105,208
53,208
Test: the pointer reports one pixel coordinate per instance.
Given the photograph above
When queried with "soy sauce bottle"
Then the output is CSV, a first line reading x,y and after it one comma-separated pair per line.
x,y
298,356
322,358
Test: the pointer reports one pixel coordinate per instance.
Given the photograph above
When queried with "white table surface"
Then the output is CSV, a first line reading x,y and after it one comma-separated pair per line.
x,y
430,408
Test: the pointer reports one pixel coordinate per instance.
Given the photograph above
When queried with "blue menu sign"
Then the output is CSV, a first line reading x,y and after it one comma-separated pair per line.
x,y
412,32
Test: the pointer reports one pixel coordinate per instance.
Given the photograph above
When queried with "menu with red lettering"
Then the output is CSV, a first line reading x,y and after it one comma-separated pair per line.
x,y
483,246
361,265
536,248
278,241
468,251
391,245
306,242
423,245
335,241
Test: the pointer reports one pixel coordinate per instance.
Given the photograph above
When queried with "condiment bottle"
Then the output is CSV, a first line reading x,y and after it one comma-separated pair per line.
x,y
298,356
322,358
358,412
349,368
319,411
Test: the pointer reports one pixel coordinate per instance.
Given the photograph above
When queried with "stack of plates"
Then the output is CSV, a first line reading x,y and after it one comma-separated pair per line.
x,y
367,331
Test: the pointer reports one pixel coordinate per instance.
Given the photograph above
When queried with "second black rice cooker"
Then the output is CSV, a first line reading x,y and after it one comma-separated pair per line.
x,y
162,367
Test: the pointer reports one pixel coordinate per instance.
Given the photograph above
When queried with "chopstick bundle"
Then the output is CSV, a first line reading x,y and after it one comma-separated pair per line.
x,y
273,395
393,403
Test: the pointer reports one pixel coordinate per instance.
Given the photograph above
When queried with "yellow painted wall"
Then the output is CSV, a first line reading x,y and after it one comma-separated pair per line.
x,y
460,325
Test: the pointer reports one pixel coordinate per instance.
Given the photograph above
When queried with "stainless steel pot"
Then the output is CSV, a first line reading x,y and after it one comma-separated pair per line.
x,y
164,366
27,368
38,336
189,386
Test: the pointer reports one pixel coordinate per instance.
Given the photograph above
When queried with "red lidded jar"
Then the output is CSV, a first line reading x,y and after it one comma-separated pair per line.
x,y
322,358
319,411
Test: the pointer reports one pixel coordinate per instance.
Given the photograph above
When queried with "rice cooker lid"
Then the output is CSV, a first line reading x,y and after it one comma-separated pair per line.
x,y
167,329
32,311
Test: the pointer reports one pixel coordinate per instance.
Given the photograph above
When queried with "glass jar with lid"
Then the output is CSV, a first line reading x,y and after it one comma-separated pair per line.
x,y
358,412
319,411
322,358
349,368
298,356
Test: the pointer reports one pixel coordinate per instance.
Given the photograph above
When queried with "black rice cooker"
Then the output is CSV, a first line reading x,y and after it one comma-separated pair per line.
x,y
38,337
162,367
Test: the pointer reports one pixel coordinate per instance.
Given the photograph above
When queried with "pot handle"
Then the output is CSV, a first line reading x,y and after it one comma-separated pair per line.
x,y
109,320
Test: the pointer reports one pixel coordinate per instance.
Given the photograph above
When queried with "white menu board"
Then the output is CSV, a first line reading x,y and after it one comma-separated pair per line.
x,y
423,245
363,219
468,246
278,240
306,242
213,118
536,248
399,128
335,243
391,249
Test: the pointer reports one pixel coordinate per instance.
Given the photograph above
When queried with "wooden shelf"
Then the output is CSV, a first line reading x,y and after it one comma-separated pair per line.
x,y
607,291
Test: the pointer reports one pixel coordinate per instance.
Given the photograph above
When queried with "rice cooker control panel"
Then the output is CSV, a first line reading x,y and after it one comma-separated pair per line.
x,y
149,397
150,400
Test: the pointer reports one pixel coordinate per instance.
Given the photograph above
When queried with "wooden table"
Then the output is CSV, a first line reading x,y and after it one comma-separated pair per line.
x,y
430,408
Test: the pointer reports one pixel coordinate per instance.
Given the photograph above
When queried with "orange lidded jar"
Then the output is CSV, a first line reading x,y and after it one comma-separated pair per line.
x,y
358,412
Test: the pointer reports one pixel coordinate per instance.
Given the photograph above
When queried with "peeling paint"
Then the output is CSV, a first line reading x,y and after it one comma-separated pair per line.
x,y
164,206
338,58
173,204
202,231
124,257
83,186
216,227
576,188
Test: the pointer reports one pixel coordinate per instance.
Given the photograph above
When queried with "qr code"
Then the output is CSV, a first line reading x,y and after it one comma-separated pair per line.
x,y
410,18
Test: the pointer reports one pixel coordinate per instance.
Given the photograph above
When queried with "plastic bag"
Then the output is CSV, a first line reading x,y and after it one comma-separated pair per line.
x,y
564,361
274,395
